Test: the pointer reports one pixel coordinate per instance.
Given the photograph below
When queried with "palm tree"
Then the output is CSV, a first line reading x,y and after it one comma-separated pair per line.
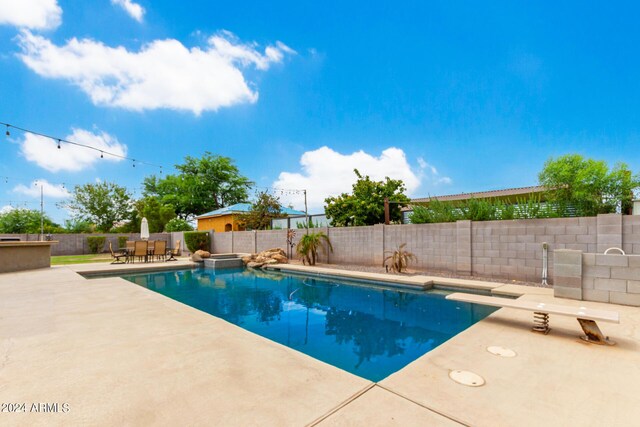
x,y
309,245
399,259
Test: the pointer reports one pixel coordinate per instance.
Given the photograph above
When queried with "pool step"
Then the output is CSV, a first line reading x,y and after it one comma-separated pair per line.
x,y
220,263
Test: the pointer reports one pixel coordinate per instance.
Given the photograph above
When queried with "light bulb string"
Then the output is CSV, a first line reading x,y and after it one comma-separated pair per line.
x,y
77,144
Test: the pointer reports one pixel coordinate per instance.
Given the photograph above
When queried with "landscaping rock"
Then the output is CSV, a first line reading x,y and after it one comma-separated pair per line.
x,y
203,254
270,256
196,258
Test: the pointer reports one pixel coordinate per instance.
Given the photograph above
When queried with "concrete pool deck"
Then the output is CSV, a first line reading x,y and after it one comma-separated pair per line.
x,y
117,353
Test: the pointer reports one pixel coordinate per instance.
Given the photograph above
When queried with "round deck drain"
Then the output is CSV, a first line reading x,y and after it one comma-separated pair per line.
x,y
501,351
466,378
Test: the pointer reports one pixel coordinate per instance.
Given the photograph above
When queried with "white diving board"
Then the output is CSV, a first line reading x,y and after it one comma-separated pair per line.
x,y
587,317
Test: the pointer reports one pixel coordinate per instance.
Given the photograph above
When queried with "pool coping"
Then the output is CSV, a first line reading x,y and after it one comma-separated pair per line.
x,y
560,371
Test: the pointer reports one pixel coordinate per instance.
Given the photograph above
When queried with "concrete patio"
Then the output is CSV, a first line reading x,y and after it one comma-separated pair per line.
x,y
117,353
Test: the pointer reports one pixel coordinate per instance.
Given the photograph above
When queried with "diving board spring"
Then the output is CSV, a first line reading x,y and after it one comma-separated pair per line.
x,y
541,322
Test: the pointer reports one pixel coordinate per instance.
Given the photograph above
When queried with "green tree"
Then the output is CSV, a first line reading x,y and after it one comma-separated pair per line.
x,y
78,226
588,185
103,204
365,206
157,214
20,221
202,185
178,224
265,208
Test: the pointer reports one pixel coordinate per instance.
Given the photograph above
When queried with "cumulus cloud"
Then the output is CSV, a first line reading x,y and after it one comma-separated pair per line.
x,y
325,172
162,74
34,14
45,153
133,9
430,173
56,191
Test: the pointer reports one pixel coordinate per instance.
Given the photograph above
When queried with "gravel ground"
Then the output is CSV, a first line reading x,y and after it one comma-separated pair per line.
x,y
410,272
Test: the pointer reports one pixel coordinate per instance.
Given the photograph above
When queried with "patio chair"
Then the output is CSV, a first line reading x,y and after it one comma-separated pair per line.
x,y
174,252
131,245
116,257
160,249
140,250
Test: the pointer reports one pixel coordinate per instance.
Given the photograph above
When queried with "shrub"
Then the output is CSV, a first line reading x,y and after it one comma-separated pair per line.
x,y
178,224
196,240
398,259
122,242
96,243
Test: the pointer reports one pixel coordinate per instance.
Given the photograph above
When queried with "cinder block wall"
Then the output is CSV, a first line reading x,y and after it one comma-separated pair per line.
x,y
613,278
505,249
76,244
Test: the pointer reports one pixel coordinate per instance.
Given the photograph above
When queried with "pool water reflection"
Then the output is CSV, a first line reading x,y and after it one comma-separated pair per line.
x,y
367,330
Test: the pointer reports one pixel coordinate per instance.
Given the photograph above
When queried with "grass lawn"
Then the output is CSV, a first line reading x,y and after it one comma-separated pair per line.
x,y
79,259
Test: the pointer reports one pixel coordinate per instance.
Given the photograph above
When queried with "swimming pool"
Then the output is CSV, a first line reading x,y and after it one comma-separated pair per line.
x,y
370,331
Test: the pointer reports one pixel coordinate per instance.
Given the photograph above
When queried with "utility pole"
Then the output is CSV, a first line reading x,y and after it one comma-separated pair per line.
x,y
386,211
306,213
41,213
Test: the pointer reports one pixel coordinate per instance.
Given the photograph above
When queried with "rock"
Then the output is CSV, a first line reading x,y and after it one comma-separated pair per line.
x,y
270,261
196,258
246,259
203,254
280,259
254,264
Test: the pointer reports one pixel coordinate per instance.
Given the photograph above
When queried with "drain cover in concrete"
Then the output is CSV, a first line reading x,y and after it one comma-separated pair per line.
x,y
501,351
466,378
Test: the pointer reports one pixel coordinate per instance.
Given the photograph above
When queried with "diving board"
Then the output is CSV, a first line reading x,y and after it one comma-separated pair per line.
x,y
587,317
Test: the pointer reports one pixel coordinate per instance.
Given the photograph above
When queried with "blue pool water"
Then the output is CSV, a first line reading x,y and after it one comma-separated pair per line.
x,y
367,330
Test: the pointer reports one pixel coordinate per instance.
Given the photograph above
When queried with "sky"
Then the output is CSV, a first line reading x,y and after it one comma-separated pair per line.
x,y
449,96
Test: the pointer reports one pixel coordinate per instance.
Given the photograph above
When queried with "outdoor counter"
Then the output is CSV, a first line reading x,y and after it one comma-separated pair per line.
x,y
19,256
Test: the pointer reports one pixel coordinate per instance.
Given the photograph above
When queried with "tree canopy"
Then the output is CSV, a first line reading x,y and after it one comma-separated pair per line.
x,y
157,214
203,184
365,206
103,204
21,221
265,208
588,185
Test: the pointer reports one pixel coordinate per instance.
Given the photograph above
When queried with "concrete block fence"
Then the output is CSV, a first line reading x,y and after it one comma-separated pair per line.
x,y
504,249
76,244
612,278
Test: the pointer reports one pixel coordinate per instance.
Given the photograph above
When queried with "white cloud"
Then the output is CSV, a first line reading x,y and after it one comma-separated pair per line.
x,y
6,208
162,74
133,9
56,191
325,172
430,173
34,14
45,153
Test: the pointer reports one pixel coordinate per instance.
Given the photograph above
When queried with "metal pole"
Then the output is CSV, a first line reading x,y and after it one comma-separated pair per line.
x,y
386,211
41,213
306,214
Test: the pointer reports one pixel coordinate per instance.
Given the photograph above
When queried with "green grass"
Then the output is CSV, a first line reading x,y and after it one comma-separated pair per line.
x,y
79,259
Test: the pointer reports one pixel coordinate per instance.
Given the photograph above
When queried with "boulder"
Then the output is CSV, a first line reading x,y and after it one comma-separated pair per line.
x,y
254,264
270,256
280,259
196,258
202,254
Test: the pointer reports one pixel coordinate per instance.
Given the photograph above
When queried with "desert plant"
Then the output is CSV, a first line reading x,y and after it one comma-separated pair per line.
x,y
399,259
196,240
96,243
310,244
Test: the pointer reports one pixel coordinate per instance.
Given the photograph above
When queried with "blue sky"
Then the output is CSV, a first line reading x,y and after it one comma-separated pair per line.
x,y
449,96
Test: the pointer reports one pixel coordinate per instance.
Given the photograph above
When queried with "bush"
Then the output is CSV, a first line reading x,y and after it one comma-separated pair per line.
x,y
122,242
196,240
96,243
177,224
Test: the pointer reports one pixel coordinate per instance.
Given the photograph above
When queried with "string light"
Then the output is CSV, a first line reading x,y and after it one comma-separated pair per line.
x,y
60,140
